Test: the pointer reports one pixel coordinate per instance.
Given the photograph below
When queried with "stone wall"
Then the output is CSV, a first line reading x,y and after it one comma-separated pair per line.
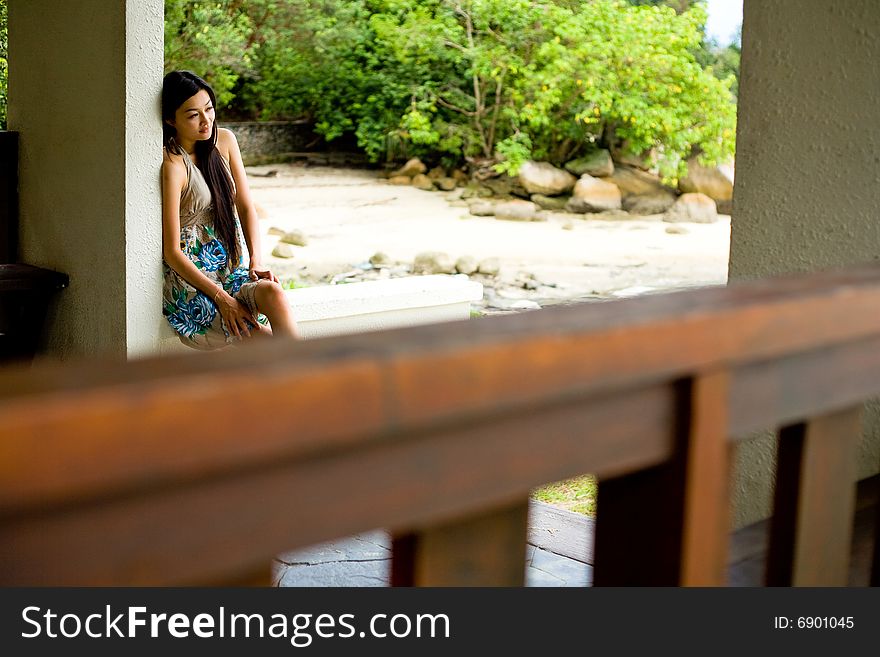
x,y
269,141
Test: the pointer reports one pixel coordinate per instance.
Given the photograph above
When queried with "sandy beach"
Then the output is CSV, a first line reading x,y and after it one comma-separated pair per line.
x,y
347,215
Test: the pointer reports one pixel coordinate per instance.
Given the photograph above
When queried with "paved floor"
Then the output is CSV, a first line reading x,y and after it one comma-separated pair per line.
x,y
365,560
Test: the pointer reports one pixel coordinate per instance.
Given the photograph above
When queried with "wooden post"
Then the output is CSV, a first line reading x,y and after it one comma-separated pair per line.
x,y
668,526
812,521
488,549
707,484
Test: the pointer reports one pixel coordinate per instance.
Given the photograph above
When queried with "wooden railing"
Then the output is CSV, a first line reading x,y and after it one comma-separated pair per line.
x,y
198,469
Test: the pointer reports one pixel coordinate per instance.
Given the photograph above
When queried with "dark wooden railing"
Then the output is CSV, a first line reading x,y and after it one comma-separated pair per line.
x,y
198,469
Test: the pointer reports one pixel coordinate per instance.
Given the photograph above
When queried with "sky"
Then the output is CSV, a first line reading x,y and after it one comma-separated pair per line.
x,y
724,17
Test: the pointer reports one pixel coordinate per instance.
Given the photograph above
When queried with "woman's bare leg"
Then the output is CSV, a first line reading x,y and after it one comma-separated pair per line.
x,y
272,302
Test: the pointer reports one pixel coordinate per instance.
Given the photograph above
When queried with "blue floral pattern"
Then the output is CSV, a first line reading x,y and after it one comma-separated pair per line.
x,y
212,255
183,324
201,309
189,311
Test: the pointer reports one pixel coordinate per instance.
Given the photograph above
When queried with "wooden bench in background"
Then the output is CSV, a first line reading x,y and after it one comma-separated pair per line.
x,y
197,470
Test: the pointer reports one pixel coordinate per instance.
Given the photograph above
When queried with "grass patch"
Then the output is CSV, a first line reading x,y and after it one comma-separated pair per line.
x,y
577,495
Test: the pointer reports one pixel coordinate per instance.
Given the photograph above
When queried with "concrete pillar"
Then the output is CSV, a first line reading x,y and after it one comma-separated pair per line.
x,y
807,191
84,83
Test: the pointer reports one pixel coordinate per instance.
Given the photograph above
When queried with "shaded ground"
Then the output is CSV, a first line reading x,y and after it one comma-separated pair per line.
x,y
350,214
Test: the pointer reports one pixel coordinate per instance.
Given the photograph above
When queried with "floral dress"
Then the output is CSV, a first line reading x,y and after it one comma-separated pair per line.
x,y
191,314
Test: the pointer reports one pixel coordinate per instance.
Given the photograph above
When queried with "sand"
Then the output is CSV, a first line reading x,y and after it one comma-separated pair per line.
x,y
348,215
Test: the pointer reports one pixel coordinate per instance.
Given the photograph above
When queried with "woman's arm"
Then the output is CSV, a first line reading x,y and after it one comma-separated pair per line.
x,y
233,312
247,213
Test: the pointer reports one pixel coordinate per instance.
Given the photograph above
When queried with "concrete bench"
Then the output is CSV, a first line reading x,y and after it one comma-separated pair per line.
x,y
326,310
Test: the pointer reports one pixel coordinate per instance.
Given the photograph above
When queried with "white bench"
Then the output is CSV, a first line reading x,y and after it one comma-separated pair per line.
x,y
326,310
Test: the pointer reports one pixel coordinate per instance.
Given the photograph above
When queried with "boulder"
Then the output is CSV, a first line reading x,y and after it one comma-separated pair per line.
x,y
516,210
421,181
436,173
482,208
380,259
631,180
460,176
447,184
597,164
624,154
593,195
653,203
715,182
400,180
544,178
489,267
275,230
284,250
433,262
550,202
295,237
466,265
411,168
694,207
506,186
475,190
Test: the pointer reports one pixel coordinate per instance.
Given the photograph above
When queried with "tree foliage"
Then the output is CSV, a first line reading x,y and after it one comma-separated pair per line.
x,y
488,80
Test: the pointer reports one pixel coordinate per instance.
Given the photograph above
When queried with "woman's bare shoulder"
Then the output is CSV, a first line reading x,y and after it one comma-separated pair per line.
x,y
173,167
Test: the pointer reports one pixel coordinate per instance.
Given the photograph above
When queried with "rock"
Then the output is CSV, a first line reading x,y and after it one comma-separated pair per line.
x,y
466,265
550,202
676,230
625,155
460,176
295,237
506,186
725,207
568,225
653,203
544,178
433,262
380,259
489,267
516,210
436,173
474,190
400,180
694,207
715,182
612,215
421,181
525,304
633,181
446,184
593,195
275,230
482,208
411,168
284,250
597,164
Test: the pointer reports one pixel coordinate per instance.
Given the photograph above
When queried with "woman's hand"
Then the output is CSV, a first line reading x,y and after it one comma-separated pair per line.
x,y
257,272
235,314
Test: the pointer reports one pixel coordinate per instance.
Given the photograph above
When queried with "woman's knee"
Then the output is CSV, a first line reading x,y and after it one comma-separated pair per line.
x,y
270,294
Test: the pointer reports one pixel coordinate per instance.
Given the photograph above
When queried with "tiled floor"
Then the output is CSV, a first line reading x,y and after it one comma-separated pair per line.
x,y
365,560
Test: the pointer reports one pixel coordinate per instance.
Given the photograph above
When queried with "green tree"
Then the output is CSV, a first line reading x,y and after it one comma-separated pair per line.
x,y
492,81
211,39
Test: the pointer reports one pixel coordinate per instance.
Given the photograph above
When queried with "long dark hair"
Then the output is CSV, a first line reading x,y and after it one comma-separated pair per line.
x,y
177,88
